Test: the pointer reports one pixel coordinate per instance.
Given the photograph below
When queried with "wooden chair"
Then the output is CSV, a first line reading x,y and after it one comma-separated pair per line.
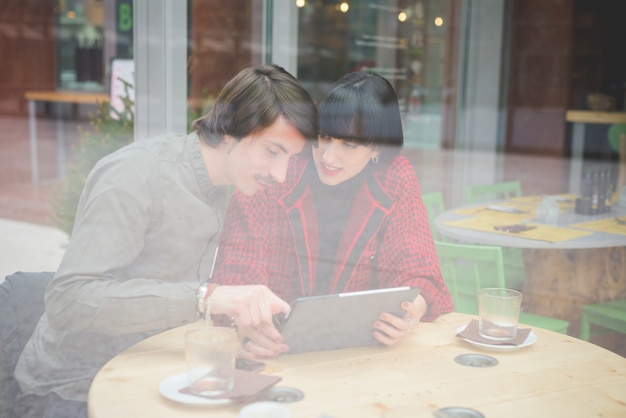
x,y
513,260
468,268
609,316
434,206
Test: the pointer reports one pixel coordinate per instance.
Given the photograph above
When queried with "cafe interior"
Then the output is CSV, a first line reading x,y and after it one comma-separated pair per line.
x,y
521,103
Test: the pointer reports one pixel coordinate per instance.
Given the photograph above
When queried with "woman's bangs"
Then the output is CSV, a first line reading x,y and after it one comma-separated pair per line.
x,y
342,120
336,119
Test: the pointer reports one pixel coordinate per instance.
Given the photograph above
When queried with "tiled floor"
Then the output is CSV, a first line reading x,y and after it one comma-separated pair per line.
x,y
26,246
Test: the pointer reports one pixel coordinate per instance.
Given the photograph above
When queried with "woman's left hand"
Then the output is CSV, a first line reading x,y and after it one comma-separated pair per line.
x,y
391,329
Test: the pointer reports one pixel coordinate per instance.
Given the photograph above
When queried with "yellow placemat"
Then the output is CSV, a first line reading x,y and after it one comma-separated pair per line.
x,y
561,198
528,212
540,232
609,225
566,201
529,200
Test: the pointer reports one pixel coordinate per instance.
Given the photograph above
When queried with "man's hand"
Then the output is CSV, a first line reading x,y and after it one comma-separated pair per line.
x,y
250,305
261,341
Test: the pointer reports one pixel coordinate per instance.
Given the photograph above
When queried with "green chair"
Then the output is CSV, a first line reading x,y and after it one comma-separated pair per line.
x,y
513,260
434,206
492,192
609,315
468,268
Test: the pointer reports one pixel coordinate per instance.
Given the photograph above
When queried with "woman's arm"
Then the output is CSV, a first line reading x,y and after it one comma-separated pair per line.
x,y
407,254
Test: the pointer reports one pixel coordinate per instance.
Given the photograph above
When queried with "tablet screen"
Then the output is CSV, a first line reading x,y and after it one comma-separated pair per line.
x,y
340,320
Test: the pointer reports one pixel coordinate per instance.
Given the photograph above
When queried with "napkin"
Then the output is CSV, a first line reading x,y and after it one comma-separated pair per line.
x,y
247,386
471,333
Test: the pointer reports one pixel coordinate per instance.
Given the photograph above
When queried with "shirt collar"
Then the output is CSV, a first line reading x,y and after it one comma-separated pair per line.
x,y
198,165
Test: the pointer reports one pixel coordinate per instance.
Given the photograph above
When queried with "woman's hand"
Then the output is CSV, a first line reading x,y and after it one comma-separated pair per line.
x,y
391,329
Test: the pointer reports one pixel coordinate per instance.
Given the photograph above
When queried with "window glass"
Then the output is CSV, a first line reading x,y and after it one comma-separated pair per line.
x,y
80,35
401,40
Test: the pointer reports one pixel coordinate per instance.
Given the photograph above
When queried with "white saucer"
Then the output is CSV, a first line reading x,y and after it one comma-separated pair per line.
x,y
530,340
171,386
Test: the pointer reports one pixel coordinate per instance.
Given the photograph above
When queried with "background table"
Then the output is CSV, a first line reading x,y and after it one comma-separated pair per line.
x,y
561,276
59,97
597,239
557,376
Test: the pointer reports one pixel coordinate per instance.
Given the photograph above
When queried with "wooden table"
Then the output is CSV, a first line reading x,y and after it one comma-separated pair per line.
x,y
579,119
561,276
60,97
558,376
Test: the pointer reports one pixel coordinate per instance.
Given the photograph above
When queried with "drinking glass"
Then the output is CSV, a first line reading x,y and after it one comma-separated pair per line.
x,y
498,313
210,354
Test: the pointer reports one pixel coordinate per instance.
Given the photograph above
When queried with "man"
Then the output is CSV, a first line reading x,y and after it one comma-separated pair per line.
x,y
146,233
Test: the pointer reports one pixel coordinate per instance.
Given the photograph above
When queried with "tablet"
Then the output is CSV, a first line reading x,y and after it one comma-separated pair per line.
x,y
341,320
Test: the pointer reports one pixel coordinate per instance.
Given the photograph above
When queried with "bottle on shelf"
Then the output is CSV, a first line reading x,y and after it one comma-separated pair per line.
x,y
583,203
608,187
595,192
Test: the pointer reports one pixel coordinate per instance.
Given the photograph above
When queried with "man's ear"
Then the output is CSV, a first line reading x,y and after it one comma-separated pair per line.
x,y
229,142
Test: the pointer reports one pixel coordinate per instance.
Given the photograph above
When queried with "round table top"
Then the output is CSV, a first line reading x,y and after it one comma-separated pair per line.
x,y
556,376
597,239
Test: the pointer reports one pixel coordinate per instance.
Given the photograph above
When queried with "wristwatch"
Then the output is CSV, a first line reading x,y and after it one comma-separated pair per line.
x,y
203,295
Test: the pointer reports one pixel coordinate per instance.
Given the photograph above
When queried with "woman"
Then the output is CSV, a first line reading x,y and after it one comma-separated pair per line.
x,y
348,217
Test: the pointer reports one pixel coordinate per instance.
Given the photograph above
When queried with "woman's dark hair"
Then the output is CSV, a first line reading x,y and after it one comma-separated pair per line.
x,y
363,108
253,100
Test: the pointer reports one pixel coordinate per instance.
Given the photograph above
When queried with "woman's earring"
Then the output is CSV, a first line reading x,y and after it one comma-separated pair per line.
x,y
375,159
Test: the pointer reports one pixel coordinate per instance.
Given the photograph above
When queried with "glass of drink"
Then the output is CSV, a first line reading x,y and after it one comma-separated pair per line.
x,y
498,313
210,354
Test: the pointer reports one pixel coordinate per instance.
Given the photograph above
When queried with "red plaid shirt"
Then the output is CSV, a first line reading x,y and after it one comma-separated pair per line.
x,y
271,238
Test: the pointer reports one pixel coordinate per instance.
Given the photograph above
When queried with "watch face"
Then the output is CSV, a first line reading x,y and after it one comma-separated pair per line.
x,y
203,295
202,299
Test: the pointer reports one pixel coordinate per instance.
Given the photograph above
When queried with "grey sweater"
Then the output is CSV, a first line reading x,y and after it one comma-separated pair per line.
x,y
145,235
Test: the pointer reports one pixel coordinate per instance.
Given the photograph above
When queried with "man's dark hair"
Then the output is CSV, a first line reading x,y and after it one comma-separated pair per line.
x,y
253,100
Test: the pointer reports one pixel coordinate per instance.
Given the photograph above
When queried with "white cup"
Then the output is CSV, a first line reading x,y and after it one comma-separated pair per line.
x,y
547,210
498,313
210,354
264,410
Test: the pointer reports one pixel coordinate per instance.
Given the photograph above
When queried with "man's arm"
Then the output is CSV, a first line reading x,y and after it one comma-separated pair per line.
x,y
102,284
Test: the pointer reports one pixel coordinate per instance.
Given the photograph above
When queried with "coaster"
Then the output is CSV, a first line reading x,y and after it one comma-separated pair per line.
x,y
247,385
471,333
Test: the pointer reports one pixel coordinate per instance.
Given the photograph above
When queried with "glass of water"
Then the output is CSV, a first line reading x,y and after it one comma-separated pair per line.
x,y
498,313
210,354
